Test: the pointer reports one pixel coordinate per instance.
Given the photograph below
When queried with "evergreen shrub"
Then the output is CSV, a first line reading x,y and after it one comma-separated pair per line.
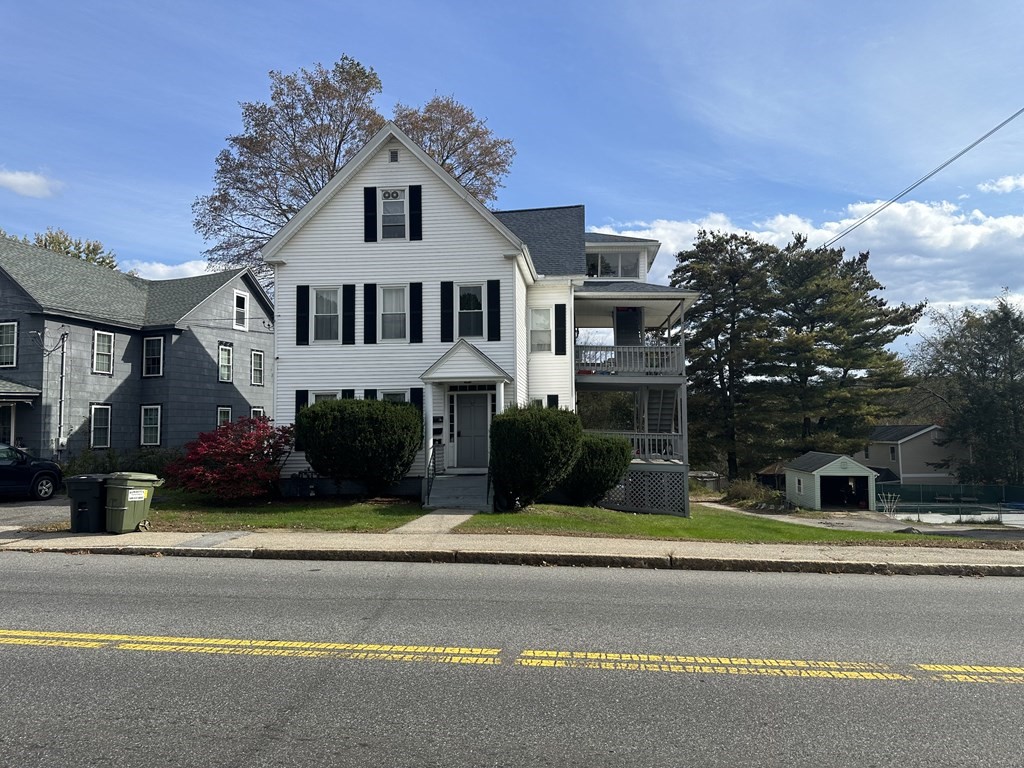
x,y
532,450
372,442
602,463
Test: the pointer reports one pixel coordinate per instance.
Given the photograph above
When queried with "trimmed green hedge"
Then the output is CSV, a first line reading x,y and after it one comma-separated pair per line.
x,y
532,450
602,464
372,442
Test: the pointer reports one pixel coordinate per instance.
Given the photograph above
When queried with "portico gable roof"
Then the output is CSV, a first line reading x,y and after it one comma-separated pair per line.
x,y
464,363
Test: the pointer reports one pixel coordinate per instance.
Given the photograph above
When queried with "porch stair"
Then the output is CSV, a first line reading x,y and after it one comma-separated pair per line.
x,y
468,492
661,410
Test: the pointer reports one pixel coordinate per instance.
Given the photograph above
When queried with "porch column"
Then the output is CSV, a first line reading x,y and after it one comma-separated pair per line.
x,y
499,397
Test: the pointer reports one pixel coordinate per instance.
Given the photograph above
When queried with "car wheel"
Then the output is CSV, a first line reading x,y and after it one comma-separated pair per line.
x,y
44,487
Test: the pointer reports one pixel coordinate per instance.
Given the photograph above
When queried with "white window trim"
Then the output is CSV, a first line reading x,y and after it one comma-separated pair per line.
x,y
617,255
244,325
380,214
257,412
14,357
96,350
550,330
92,425
161,372
383,394
262,368
404,339
319,397
800,485
221,348
483,308
313,315
142,424
223,410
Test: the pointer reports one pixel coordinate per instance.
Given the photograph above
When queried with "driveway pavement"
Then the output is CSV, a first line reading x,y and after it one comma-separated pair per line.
x,y
23,513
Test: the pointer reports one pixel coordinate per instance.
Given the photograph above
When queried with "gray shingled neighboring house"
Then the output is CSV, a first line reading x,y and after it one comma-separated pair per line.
x,y
95,358
913,454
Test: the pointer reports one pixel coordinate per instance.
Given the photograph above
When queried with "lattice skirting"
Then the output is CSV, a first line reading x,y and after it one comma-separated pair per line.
x,y
656,489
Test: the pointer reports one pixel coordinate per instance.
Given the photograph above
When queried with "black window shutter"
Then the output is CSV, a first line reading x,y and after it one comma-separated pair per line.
x,y
416,397
369,394
370,313
447,311
494,310
348,394
415,212
559,329
370,214
552,401
416,313
348,314
302,315
301,401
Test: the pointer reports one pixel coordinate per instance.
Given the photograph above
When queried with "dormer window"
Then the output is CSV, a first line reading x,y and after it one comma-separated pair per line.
x,y
613,265
392,219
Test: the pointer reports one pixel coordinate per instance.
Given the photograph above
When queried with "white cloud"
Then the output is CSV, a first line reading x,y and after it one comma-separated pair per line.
x,y
155,270
28,184
1003,185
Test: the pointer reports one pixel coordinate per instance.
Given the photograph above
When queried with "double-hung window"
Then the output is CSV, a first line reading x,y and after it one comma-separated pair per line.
x,y
8,345
471,311
393,313
325,314
240,319
540,329
224,362
102,352
150,425
99,426
257,412
153,356
223,415
392,214
256,369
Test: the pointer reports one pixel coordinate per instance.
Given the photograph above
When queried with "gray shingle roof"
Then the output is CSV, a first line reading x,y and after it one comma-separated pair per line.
x,y
896,432
601,237
624,286
75,288
553,235
8,387
814,460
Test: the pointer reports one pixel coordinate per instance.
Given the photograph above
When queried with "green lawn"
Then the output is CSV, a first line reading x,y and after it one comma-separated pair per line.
x,y
178,511
706,524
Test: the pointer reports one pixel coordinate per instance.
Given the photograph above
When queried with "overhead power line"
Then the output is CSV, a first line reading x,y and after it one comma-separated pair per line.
x,y
922,180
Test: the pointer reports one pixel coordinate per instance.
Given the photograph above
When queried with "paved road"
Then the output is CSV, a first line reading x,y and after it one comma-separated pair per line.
x,y
167,661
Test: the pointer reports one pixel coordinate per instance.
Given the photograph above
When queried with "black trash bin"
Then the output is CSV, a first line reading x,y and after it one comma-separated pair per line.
x,y
88,496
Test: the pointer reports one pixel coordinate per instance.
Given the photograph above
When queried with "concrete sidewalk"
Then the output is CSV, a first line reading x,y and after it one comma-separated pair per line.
x,y
428,539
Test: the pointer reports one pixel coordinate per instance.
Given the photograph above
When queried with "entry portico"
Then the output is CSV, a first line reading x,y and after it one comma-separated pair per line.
x,y
470,387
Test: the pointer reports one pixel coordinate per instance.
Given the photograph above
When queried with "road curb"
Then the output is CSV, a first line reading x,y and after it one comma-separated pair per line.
x,y
564,559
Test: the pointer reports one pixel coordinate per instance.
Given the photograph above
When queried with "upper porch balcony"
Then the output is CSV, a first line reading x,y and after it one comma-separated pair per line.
x,y
629,360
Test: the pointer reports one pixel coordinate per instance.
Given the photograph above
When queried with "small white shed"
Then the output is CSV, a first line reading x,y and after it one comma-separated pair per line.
x,y
828,481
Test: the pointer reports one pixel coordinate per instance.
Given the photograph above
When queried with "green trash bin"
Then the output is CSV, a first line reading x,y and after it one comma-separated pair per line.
x,y
88,496
129,495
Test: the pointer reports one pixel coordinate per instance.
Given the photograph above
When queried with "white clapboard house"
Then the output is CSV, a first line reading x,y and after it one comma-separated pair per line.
x,y
395,283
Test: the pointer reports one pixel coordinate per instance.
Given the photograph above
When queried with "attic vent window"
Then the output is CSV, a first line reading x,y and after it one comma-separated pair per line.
x,y
393,156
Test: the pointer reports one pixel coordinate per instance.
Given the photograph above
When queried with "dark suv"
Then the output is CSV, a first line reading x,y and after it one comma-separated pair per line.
x,y
25,475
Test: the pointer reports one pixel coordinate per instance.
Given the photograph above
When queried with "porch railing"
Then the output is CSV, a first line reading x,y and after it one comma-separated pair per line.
x,y
649,445
637,361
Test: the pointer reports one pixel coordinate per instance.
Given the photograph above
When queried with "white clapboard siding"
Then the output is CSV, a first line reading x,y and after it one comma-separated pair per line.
x,y
551,374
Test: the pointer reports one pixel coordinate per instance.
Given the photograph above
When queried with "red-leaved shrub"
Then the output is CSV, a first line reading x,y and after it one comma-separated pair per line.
x,y
238,460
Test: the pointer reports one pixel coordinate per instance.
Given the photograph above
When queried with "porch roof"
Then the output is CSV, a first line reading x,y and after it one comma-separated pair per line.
x,y
596,300
464,363
13,392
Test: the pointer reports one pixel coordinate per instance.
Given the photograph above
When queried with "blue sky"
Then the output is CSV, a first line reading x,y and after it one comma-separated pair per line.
x,y
661,117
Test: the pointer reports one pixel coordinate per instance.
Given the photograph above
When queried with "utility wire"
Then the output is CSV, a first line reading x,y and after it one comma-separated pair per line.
x,y
921,181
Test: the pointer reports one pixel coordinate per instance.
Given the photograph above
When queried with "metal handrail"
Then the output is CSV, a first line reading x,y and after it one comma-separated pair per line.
x,y
431,472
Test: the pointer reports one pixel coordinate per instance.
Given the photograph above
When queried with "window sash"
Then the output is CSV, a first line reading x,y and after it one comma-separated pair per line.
x,y
223,416
540,330
8,345
393,314
392,216
241,314
393,397
257,412
471,310
103,352
325,314
224,363
150,425
320,397
256,378
99,426
153,356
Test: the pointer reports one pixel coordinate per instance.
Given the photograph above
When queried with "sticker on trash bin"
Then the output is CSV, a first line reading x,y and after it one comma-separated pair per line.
x,y
136,494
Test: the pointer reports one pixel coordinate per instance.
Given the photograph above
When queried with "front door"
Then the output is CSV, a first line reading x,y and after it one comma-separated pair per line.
x,y
471,429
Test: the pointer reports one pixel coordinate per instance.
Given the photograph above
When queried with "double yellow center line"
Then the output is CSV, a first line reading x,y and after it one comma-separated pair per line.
x,y
550,659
